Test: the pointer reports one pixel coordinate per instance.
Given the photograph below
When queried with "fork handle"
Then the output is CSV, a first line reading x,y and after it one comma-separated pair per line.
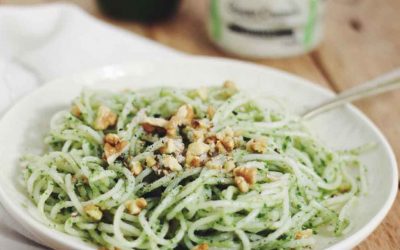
x,y
383,83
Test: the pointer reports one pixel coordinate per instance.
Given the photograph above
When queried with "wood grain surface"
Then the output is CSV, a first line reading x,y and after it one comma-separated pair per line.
x,y
362,41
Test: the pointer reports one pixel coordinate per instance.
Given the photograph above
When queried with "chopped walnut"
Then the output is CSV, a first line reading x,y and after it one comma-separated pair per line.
x,y
227,132
75,111
201,124
213,148
135,206
198,130
141,202
112,139
151,124
237,133
238,141
171,162
226,137
229,144
211,138
114,147
193,161
93,212
249,174
210,112
258,145
84,179
183,116
229,165
203,246
216,162
136,167
220,147
105,118
198,148
75,178
241,184
344,188
229,85
198,135
195,150
150,161
303,234
202,93
159,171
172,146
214,165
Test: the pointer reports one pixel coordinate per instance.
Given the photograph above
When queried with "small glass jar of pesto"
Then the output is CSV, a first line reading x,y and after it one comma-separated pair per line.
x,y
266,28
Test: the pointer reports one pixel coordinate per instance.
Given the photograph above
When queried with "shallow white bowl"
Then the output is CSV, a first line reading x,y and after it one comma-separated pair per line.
x,y
23,127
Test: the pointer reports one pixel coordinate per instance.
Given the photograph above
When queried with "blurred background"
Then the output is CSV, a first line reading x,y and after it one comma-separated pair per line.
x,y
361,41
362,38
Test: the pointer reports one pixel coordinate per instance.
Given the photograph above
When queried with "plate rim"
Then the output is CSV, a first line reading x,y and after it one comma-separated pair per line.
x,y
98,73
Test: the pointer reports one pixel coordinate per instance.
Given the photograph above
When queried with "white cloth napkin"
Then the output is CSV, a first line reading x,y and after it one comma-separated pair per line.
x,y
42,42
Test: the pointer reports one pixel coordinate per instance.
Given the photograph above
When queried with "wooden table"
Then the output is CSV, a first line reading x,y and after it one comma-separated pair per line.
x,y
362,41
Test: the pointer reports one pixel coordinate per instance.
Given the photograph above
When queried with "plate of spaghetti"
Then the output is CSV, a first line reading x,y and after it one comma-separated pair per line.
x,y
192,154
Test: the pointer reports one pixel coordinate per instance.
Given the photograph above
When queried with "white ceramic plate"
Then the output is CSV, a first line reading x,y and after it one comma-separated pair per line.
x,y
23,127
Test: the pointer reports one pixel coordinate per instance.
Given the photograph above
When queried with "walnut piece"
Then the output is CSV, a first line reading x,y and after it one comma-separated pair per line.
x,y
150,124
150,161
210,112
93,212
136,167
171,162
198,134
229,85
183,116
229,165
241,184
257,145
198,130
226,137
201,124
135,206
193,161
195,150
227,132
303,234
172,146
114,147
203,246
249,174
112,139
220,147
214,165
75,111
228,143
198,148
202,93
105,118
216,162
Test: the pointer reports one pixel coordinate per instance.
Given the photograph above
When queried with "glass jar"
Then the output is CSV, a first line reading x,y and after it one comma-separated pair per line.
x,y
139,10
266,28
